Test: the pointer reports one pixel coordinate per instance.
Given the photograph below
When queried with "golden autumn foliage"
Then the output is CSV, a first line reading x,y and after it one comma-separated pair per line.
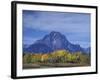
x,y
59,56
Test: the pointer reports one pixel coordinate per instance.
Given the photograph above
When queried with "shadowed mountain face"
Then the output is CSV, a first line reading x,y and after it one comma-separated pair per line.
x,y
53,41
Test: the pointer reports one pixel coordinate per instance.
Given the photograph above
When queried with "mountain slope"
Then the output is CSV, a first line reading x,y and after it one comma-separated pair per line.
x,y
52,42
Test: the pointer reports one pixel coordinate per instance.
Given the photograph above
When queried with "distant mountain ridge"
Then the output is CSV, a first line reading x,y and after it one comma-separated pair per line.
x,y
54,41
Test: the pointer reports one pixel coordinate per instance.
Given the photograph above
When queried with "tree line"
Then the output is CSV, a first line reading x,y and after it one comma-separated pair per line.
x,y
60,56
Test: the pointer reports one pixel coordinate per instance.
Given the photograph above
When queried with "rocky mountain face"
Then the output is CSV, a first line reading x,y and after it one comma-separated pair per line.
x,y
54,41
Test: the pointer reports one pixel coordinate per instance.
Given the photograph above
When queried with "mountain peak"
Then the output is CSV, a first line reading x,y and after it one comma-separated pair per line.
x,y
52,42
53,33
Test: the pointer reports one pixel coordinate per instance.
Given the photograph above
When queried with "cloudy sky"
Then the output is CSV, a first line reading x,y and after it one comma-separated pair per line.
x,y
75,26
